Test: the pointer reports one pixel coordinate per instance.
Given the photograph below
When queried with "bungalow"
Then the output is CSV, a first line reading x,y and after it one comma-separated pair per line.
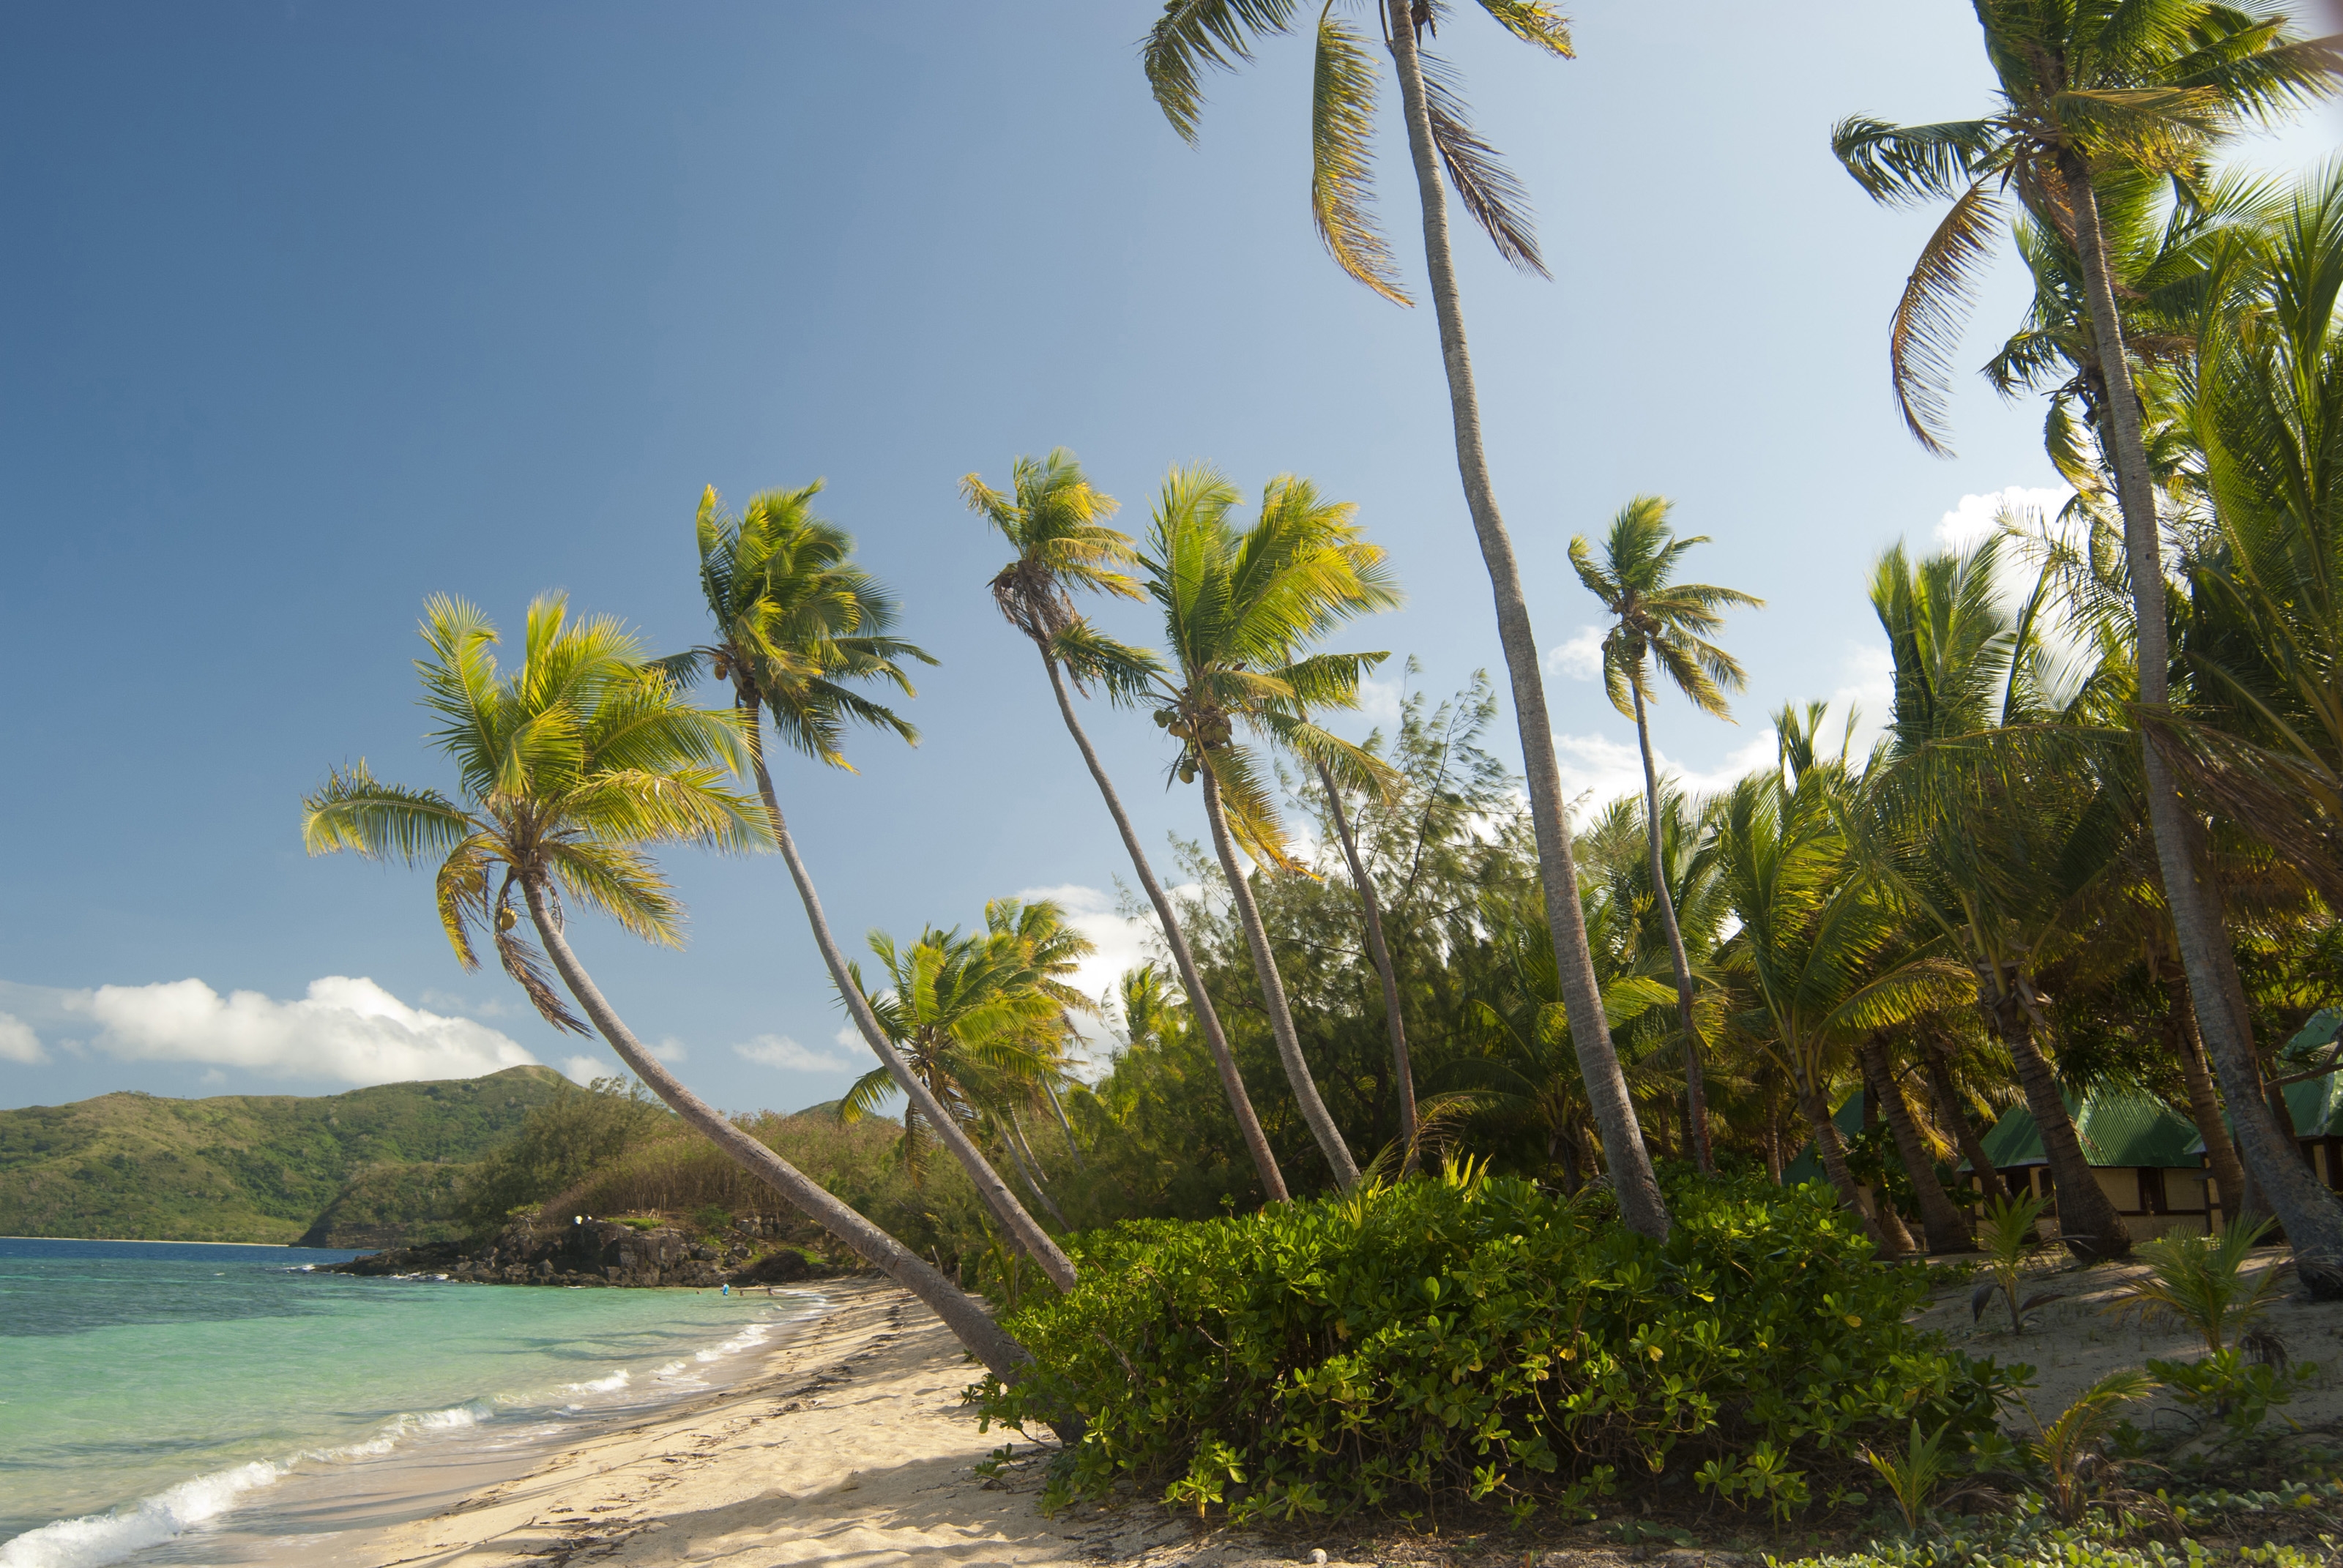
x,y
2145,1156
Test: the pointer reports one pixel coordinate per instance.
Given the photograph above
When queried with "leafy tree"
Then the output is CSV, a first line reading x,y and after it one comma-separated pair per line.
x,y
1055,519
1191,35
559,1144
1668,623
799,628
1237,604
2090,87
571,765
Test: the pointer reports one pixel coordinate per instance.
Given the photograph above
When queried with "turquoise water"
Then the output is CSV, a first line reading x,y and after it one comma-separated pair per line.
x,y
164,1402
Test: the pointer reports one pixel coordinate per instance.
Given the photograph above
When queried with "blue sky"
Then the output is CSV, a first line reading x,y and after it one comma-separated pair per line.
x,y
309,311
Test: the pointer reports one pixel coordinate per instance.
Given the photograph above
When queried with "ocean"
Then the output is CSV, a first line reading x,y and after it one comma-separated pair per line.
x,y
174,1402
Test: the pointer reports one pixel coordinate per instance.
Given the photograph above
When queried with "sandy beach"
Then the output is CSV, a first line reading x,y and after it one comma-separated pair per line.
x,y
851,1447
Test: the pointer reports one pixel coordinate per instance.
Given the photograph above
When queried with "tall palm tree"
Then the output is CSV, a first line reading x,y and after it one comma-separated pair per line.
x,y
1237,603
799,625
1990,818
2088,87
1193,35
570,767
1670,623
1055,520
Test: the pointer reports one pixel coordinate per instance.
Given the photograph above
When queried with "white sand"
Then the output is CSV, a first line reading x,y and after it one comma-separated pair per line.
x,y
853,1448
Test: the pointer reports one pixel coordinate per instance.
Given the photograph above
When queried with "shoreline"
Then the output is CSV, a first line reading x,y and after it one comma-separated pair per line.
x,y
170,1242
849,1445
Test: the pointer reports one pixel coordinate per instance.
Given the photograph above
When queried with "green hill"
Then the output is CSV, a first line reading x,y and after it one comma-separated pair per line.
x,y
256,1168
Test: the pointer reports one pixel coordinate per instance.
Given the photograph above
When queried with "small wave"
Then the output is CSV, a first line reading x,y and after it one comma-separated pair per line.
x,y
612,1384
101,1538
749,1338
670,1369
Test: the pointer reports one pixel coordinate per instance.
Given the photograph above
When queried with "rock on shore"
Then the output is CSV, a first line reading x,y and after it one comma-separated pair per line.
x,y
594,1253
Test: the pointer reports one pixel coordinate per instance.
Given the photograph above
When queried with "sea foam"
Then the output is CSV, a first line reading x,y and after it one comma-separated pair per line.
x,y
101,1538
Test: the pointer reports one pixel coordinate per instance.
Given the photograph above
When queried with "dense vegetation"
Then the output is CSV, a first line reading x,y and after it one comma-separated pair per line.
x,y
258,1168
2096,847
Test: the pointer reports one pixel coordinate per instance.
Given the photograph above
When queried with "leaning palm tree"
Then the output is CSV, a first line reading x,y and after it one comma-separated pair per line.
x,y
1668,622
1055,520
1193,35
2087,88
570,767
799,625
1237,603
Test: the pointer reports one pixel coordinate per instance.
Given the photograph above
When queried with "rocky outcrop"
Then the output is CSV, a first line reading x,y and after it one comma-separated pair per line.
x,y
594,1253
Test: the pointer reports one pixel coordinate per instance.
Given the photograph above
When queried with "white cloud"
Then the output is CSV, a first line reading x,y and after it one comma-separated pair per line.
x,y
584,1070
668,1048
18,1043
850,1036
1976,517
1379,700
346,1031
1581,658
780,1050
1603,768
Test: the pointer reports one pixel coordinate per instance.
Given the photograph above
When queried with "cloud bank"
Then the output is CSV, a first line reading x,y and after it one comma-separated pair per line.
x,y
780,1050
345,1030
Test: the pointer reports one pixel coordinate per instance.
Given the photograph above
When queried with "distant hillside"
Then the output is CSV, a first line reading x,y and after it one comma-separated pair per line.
x,y
256,1168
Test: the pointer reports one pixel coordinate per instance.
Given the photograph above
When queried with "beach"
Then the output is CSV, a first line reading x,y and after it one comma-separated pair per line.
x,y
852,1447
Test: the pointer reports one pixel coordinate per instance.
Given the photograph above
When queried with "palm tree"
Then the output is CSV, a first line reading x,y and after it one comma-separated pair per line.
x,y
1236,605
797,626
1989,818
1670,622
1820,959
1054,519
963,1012
1363,881
2266,632
1523,1071
570,766
1193,34
2088,87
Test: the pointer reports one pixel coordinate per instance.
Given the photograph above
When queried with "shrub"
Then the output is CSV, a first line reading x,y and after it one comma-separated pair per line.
x,y
1473,1335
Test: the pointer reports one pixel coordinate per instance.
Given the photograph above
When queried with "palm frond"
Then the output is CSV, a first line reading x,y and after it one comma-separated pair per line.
x,y
1490,192
1192,35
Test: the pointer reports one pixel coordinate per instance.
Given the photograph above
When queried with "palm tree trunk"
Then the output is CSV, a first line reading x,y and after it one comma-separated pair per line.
x,y
1272,996
961,1313
2088,1221
1939,1221
2311,1214
2205,1107
997,1196
1952,1111
1073,1149
1832,1154
1695,1088
1403,1075
1029,1166
1883,1207
1191,979
1641,1204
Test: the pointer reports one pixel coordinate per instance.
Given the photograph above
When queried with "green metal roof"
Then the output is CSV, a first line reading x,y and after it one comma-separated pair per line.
x,y
2117,1128
2307,1040
2315,1104
1809,1165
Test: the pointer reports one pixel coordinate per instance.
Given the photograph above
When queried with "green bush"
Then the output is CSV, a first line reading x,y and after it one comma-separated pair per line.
x,y
1473,1334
